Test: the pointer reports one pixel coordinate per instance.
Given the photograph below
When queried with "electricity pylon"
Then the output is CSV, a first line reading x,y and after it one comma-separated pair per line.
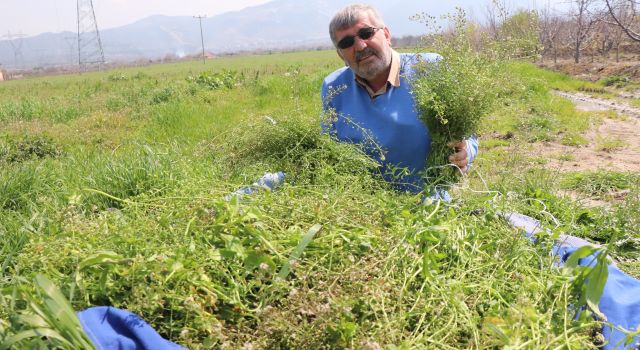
x,y
89,43
15,40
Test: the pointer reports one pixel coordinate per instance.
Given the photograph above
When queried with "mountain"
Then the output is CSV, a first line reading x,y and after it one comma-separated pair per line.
x,y
279,24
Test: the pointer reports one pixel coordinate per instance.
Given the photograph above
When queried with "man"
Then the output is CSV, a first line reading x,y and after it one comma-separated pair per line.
x,y
369,102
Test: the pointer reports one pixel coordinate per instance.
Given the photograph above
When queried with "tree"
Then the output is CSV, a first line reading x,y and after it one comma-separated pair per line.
x,y
624,14
517,32
550,29
583,20
617,35
521,32
603,38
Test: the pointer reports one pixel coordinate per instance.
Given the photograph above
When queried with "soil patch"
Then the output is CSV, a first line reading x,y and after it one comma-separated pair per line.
x,y
585,102
613,145
599,68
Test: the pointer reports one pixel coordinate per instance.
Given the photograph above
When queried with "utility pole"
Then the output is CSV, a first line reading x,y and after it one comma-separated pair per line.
x,y
201,35
89,43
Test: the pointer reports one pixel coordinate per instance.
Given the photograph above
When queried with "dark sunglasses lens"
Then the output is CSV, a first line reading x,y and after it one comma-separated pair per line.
x,y
346,42
363,33
366,33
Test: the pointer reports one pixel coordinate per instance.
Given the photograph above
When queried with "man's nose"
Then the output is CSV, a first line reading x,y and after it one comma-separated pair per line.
x,y
359,43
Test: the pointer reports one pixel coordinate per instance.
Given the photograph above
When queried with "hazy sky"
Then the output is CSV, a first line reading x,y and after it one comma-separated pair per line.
x,y
31,17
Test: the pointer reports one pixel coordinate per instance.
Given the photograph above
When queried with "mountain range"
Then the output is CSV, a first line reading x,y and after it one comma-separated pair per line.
x,y
278,24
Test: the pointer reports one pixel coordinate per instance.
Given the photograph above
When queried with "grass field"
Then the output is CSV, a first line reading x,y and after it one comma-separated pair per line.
x,y
113,186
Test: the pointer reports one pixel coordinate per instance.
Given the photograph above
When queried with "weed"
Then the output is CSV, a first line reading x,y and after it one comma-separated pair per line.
x,y
226,79
29,147
592,89
26,109
619,81
296,146
573,139
566,157
23,185
492,143
538,160
163,95
142,171
613,115
599,183
118,76
608,144
48,320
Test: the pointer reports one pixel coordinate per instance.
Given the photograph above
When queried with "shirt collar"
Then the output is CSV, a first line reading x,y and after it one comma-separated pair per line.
x,y
393,79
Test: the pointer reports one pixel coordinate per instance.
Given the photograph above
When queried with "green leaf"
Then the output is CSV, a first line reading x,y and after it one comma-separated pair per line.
x,y
59,302
11,342
175,268
102,258
302,245
597,278
254,259
580,253
34,321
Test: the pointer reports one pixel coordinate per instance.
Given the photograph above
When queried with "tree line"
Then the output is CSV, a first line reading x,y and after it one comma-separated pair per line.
x,y
595,27
584,28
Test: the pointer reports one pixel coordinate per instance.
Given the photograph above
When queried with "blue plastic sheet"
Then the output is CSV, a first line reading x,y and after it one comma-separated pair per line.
x,y
111,328
268,181
620,300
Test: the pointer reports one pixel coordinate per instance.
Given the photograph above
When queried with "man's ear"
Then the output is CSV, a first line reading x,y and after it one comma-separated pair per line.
x,y
387,34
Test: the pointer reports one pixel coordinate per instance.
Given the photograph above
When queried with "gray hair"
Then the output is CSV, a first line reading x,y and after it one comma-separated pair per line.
x,y
349,16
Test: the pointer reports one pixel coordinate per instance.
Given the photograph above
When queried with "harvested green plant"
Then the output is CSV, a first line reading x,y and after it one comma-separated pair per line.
x,y
454,94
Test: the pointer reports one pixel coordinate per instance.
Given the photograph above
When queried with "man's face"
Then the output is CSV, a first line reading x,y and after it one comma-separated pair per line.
x,y
370,58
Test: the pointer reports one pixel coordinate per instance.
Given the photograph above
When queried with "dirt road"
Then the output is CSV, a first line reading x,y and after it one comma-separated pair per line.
x,y
623,132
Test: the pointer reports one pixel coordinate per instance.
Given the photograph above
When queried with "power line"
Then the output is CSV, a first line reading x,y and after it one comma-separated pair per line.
x,y
201,34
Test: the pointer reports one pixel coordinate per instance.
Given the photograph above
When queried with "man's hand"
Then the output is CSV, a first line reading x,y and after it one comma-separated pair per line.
x,y
459,157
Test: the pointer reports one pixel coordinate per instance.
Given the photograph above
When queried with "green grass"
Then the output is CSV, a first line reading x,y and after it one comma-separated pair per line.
x,y
530,111
599,183
609,144
566,157
124,204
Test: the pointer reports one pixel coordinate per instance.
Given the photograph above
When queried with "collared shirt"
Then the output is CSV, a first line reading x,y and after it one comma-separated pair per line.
x,y
393,79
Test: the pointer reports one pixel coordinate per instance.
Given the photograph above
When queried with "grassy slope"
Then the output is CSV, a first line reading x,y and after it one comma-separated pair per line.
x,y
136,163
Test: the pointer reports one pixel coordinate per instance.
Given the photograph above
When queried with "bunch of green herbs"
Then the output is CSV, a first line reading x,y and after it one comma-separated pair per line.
x,y
455,93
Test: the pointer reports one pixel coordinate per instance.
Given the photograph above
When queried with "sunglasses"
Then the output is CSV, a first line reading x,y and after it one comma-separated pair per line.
x,y
363,33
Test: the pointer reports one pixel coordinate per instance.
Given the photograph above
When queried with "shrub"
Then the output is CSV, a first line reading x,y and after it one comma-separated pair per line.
x,y
29,147
227,79
615,80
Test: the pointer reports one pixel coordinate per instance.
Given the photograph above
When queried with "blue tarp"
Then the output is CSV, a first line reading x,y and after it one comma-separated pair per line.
x,y
114,329
620,300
